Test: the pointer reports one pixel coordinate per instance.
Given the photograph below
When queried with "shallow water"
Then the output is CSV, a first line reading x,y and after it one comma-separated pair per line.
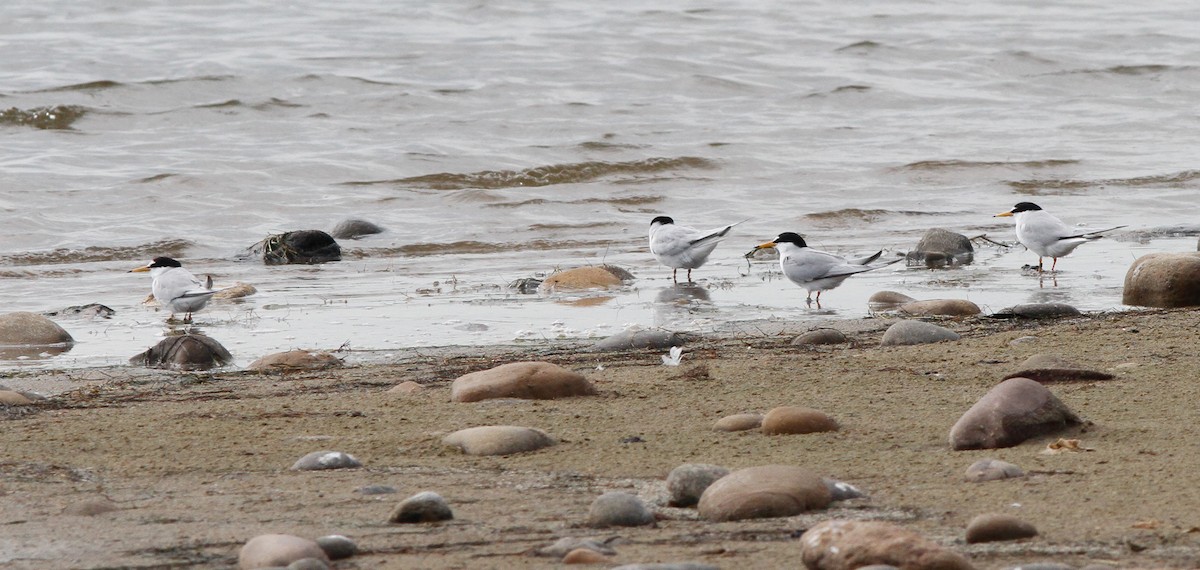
x,y
497,142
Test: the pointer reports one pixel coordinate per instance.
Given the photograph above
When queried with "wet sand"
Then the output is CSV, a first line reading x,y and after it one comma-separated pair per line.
x,y
196,464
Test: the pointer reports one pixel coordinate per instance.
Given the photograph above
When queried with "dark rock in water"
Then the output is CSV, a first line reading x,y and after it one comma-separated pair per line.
x,y
1037,311
820,336
941,248
57,117
639,339
29,329
302,246
1013,411
90,311
526,285
1163,280
355,228
1049,368
184,352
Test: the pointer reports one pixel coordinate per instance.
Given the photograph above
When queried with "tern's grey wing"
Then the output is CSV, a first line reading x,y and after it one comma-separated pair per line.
x,y
810,264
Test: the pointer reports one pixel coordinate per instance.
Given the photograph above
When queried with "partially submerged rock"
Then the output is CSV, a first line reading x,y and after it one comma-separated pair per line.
x,y
301,247
584,278
354,228
940,248
189,351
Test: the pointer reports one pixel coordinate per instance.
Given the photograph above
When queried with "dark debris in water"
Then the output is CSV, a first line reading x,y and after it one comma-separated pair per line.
x,y
60,117
297,247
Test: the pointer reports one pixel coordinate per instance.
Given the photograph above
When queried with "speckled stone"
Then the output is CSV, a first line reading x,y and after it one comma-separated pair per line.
x,y
687,482
619,509
423,507
319,460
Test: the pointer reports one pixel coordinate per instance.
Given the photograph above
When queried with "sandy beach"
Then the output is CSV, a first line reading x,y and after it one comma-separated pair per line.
x,y
135,468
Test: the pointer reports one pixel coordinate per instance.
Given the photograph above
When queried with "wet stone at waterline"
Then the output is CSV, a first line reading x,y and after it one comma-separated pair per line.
x,y
354,228
184,352
941,248
298,247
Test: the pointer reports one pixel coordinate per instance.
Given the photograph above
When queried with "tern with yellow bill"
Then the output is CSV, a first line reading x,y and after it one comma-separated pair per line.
x,y
817,270
175,288
1047,235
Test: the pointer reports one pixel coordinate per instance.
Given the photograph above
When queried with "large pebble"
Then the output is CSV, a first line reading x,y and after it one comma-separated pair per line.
x,y
686,483
849,545
14,398
581,278
498,440
295,361
841,491
321,460
797,420
1011,412
30,329
627,340
1037,311
940,248
526,380
406,388
353,228
764,491
1163,280
1052,368
268,550
887,300
189,351
584,556
739,422
941,307
423,507
337,547
997,527
619,509
992,470
820,336
916,332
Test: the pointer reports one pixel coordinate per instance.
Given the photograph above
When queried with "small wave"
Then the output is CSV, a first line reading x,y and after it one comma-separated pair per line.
x,y
89,86
1147,69
846,216
222,104
169,247
863,46
1071,186
970,164
584,226
60,117
549,175
187,79
622,201
155,178
602,145
480,247
276,102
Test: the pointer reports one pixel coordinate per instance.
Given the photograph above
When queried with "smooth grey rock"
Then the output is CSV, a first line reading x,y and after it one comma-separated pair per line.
x,y
628,340
337,547
992,470
375,490
30,329
887,300
1164,280
687,482
998,527
619,509
423,507
916,332
940,308
189,351
320,460
820,336
1011,412
941,248
353,228
498,440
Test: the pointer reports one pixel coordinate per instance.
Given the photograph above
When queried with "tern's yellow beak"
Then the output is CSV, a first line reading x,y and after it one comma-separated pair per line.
x,y
764,245
1007,214
141,269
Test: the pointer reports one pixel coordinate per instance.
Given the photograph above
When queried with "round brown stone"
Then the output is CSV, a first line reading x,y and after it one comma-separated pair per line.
x,y
797,420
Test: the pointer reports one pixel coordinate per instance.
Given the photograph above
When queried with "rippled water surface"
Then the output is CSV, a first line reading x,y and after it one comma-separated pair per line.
x,y
497,142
